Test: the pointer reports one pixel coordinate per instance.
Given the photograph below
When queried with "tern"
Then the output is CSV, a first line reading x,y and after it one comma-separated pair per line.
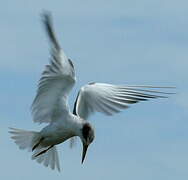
x,y
51,105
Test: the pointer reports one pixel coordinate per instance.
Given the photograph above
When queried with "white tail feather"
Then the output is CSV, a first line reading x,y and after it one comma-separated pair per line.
x,y
28,139
24,139
50,158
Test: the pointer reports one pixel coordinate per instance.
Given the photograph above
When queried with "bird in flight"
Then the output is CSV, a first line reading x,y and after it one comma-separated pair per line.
x,y
51,105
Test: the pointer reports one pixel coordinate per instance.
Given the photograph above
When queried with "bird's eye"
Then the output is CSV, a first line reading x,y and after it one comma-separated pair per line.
x,y
70,62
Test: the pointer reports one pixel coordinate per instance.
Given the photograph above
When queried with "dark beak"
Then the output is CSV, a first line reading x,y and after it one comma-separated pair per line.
x,y
84,152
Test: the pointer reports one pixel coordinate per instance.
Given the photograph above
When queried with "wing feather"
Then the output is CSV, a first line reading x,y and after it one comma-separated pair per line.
x,y
110,99
55,83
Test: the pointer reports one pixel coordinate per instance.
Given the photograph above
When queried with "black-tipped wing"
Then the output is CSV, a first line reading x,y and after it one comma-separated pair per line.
x,y
55,83
110,99
47,21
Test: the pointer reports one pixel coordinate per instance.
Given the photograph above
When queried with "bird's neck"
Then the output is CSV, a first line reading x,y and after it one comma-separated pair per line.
x,y
75,124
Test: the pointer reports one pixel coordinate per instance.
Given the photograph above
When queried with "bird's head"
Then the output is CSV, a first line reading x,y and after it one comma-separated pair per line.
x,y
87,137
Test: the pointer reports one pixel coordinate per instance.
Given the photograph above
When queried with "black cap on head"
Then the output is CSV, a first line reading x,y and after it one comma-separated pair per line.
x,y
86,130
88,136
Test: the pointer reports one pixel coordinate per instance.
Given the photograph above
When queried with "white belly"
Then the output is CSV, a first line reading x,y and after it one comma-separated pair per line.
x,y
55,135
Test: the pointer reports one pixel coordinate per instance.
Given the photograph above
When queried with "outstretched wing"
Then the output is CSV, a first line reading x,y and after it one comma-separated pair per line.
x,y
110,99
55,83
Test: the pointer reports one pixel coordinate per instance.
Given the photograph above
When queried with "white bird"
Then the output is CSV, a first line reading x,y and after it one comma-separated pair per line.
x,y
51,106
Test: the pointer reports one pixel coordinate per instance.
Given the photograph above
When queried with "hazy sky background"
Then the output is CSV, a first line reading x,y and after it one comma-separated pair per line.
x,y
114,41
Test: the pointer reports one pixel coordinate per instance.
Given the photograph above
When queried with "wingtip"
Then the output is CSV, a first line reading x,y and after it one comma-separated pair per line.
x,y
46,14
46,17
154,87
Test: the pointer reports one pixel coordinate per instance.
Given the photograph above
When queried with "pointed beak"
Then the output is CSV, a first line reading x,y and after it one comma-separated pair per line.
x,y
84,152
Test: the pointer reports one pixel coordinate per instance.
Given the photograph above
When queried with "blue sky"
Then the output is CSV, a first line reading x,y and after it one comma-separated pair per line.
x,y
113,41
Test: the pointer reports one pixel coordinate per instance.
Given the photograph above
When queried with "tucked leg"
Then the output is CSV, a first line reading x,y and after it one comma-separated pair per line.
x,y
36,145
42,152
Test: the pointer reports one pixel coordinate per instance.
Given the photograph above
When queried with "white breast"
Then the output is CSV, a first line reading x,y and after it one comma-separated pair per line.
x,y
60,131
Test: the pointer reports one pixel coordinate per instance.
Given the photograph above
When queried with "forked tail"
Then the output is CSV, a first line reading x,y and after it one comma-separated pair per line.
x,y
28,139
